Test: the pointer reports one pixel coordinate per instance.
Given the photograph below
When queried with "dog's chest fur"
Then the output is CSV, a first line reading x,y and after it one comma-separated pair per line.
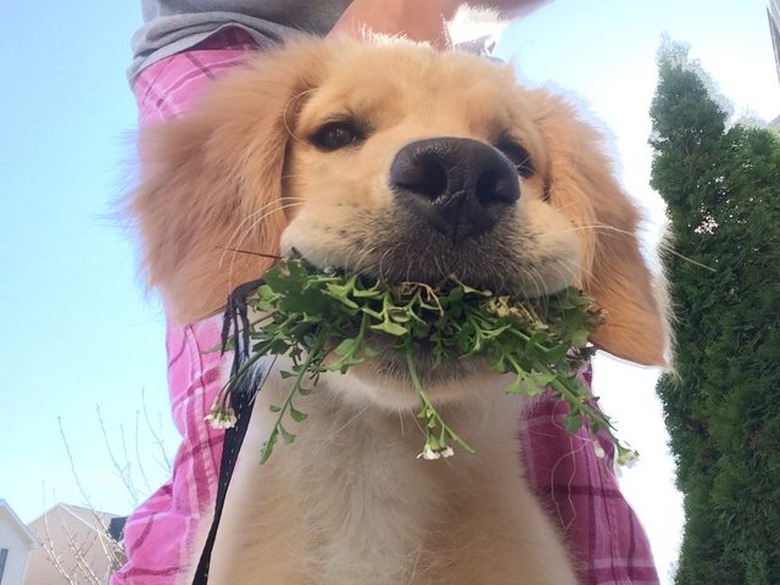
x,y
349,503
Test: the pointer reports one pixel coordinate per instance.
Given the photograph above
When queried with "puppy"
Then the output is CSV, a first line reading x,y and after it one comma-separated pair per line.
x,y
404,163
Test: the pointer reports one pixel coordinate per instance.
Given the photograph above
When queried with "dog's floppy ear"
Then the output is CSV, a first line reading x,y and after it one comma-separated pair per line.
x,y
211,181
581,183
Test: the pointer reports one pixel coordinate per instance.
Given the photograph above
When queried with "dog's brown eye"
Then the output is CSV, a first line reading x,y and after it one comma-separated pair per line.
x,y
338,134
519,157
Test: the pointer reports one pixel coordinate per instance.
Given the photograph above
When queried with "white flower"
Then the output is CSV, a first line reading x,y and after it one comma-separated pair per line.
x,y
431,454
600,453
221,417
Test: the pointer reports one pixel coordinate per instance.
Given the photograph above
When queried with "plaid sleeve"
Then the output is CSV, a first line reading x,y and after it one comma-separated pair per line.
x,y
579,488
159,532
574,477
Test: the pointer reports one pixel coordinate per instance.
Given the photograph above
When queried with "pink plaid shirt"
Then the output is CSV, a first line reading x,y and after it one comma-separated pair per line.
x,y
578,488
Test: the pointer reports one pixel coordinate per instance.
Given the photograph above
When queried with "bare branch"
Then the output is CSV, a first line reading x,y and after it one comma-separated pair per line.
x,y
82,491
122,470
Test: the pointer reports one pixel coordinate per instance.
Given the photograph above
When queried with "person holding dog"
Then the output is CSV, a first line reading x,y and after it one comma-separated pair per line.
x,y
184,45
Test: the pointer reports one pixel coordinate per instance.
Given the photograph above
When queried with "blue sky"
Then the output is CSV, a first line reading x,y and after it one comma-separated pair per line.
x,y
78,330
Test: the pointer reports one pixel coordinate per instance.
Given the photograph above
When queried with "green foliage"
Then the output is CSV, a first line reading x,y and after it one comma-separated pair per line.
x,y
722,188
327,321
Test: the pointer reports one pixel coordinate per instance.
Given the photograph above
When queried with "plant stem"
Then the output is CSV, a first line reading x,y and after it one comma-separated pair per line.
x,y
430,412
312,356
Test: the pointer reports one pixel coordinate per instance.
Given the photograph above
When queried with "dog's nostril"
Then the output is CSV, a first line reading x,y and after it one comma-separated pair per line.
x,y
423,174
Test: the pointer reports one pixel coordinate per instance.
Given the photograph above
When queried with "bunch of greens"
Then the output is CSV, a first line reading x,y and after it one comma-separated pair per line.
x,y
324,321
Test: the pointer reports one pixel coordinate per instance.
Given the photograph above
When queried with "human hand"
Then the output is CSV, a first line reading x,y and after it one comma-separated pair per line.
x,y
418,20
509,8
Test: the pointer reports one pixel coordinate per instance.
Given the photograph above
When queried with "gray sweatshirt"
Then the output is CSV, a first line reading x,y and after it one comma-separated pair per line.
x,y
172,26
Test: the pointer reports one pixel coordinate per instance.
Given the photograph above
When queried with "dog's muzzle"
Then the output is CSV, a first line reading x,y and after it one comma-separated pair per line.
x,y
460,186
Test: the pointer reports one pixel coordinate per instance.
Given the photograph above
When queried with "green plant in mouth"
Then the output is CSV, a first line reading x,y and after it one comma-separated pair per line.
x,y
325,321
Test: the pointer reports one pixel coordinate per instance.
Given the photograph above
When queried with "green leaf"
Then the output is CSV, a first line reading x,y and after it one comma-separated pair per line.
x,y
572,423
297,415
287,436
369,351
390,328
346,347
532,383
268,447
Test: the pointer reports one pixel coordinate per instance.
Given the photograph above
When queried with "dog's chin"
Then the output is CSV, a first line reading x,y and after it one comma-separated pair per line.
x,y
392,362
385,380
493,272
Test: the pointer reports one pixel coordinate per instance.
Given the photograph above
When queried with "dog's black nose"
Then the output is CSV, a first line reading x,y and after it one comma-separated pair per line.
x,y
459,185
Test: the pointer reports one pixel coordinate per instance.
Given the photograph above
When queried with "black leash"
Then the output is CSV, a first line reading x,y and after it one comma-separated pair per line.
x,y
235,324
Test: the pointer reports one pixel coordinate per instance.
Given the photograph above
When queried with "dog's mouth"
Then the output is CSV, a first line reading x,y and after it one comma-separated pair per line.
x,y
411,335
401,250
428,340
486,261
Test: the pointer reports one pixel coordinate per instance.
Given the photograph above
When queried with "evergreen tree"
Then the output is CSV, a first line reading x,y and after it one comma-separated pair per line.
x,y
722,405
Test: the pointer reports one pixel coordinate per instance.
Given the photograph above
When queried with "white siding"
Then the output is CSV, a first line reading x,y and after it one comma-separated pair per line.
x,y
18,551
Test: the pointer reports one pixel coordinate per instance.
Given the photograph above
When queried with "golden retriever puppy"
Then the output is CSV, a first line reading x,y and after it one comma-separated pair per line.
x,y
402,162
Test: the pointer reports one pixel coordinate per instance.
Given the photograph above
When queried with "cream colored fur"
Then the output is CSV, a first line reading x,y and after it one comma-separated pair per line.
x,y
349,503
